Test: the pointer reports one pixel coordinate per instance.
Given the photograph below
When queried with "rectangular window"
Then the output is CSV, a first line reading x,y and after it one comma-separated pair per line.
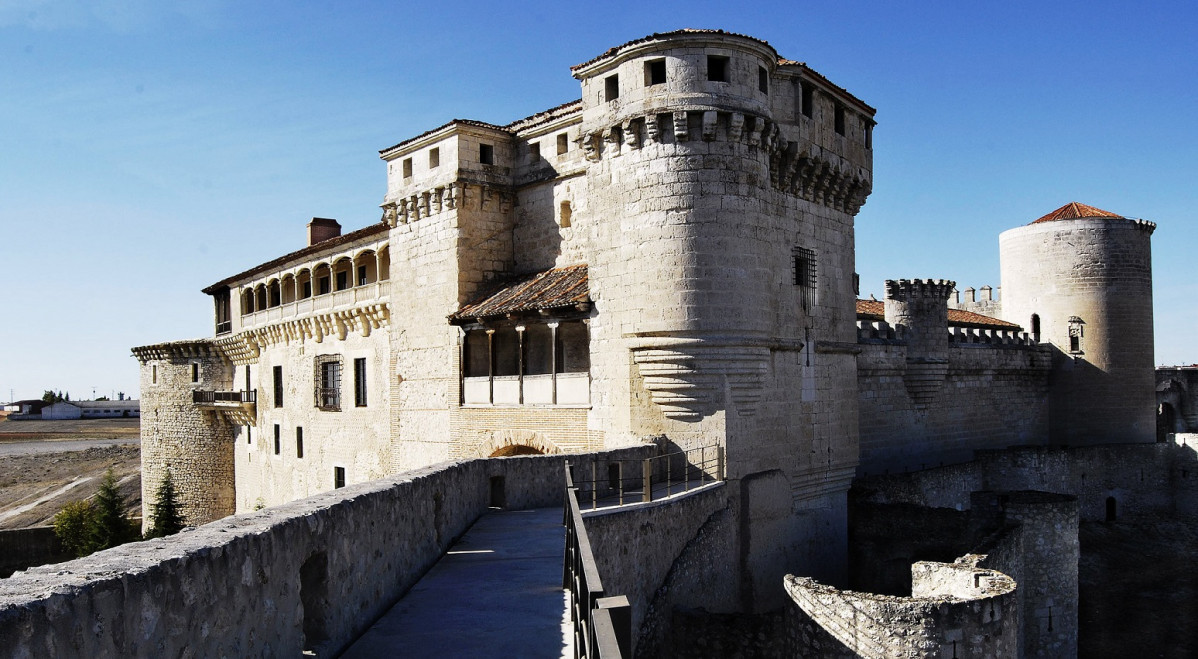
x,y
299,442
361,275
249,437
342,280
195,372
434,158
247,378
805,275
655,72
278,378
278,440
338,477
534,151
407,168
486,154
154,374
563,143
807,98
611,88
869,135
360,382
322,285
717,68
307,290
328,383
839,120
763,80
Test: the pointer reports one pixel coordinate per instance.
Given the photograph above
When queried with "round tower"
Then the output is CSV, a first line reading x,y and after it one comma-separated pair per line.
x,y
182,432
1081,279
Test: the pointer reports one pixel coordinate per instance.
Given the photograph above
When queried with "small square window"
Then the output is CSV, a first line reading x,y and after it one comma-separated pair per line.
x,y
407,168
534,151
338,477
434,158
655,72
563,143
717,68
611,87
763,80
486,154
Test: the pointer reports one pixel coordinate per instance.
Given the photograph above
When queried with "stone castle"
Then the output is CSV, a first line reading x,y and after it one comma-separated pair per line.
x,y
667,264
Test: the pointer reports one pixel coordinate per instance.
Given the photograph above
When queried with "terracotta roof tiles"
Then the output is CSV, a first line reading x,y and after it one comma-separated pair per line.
x,y
1073,211
874,310
552,289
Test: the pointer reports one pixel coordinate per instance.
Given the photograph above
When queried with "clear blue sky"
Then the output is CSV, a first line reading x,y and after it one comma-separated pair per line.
x,y
148,149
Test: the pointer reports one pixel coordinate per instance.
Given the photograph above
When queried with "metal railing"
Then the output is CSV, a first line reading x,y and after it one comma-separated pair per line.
x,y
650,479
212,397
602,625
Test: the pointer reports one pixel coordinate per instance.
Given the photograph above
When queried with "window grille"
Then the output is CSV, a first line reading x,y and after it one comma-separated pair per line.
x,y
805,275
328,383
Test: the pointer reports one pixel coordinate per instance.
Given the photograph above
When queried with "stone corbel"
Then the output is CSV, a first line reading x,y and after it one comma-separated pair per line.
x,y
710,121
736,126
632,136
451,196
651,129
390,214
437,202
755,131
587,142
681,126
611,140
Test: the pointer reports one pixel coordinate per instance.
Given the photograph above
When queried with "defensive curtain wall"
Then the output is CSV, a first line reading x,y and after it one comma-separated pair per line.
x,y
310,574
930,395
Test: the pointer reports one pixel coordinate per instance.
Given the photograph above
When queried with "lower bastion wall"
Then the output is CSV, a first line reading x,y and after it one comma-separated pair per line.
x,y
310,574
1110,481
914,417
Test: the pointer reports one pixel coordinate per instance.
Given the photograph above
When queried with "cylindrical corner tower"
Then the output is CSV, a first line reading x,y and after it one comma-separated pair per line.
x,y
1081,278
181,433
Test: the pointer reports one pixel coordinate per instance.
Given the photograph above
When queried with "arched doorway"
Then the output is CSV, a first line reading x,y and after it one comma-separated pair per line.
x,y
1166,421
515,449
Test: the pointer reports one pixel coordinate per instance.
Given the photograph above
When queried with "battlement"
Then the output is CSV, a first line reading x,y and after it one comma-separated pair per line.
x,y
879,331
912,289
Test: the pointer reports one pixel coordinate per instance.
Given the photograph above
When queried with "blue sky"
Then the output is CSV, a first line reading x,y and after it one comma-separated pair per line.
x,y
148,149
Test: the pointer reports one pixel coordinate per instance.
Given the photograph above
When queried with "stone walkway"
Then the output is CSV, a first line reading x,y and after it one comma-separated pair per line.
x,y
496,593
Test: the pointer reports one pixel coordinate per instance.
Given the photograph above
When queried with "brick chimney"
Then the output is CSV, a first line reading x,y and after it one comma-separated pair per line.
x,y
321,229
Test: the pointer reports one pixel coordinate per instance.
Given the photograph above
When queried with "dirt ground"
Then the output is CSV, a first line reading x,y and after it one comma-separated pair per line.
x,y
1138,592
36,480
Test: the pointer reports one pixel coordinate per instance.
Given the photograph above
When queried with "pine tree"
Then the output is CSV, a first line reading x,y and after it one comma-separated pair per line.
x,y
112,527
166,516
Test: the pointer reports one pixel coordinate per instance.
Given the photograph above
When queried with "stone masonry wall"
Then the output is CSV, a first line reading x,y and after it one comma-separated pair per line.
x,y
358,548
196,446
992,396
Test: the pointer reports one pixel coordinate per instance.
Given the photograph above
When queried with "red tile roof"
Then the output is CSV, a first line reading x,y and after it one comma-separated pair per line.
x,y
873,310
1074,210
552,289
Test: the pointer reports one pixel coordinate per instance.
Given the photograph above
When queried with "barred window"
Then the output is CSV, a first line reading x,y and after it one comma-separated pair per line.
x,y
328,383
805,275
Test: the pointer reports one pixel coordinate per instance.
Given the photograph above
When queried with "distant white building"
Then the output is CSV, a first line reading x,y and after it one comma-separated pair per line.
x,y
92,409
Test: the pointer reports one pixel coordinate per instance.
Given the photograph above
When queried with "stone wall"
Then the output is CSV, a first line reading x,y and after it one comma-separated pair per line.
x,y
21,548
636,545
990,396
1131,480
956,609
309,574
1177,400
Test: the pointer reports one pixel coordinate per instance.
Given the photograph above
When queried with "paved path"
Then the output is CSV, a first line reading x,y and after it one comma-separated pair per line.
x,y
496,593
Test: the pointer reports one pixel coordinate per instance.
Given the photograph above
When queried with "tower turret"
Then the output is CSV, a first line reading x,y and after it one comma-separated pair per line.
x,y
1081,277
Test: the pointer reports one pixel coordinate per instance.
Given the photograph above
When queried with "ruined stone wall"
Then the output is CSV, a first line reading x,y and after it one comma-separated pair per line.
x,y
956,609
195,445
990,396
358,550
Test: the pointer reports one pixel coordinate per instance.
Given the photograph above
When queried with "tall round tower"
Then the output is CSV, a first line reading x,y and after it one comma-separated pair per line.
x,y
1081,279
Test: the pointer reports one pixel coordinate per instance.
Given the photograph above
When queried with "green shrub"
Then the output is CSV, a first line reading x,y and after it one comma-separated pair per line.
x,y
112,528
74,525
